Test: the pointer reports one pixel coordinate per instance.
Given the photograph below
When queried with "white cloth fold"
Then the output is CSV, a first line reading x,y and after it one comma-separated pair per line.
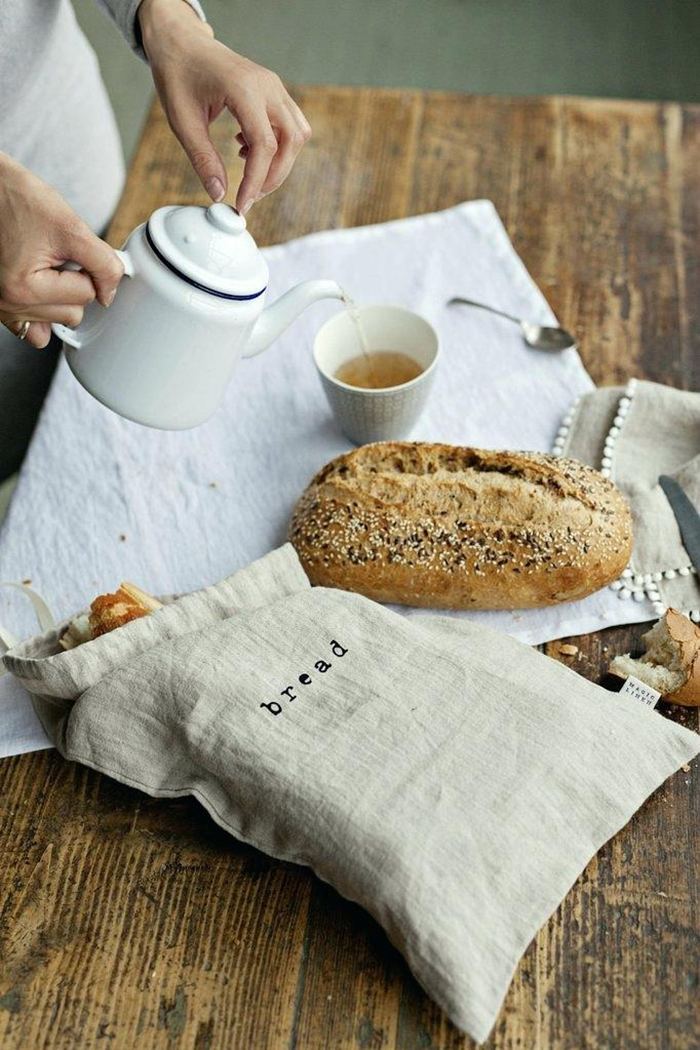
x,y
100,499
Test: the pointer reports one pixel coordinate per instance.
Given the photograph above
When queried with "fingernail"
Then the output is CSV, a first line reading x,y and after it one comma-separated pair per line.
x,y
246,207
215,189
110,297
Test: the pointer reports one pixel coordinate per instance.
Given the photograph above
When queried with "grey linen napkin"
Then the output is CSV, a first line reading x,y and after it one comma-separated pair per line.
x,y
635,433
452,781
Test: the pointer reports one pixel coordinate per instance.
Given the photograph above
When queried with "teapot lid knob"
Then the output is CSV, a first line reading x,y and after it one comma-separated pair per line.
x,y
226,218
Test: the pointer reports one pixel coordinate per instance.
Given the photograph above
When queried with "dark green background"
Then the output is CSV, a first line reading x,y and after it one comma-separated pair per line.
x,y
646,49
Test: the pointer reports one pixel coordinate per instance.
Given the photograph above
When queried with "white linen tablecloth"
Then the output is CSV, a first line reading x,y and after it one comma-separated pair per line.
x,y
101,499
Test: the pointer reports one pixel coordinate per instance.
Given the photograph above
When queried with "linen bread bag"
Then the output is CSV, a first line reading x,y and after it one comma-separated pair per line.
x,y
451,780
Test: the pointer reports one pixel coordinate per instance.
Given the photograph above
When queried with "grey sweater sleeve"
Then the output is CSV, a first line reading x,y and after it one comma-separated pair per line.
x,y
123,13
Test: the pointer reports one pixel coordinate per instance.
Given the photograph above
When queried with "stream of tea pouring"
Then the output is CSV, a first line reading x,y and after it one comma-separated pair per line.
x,y
354,314
374,369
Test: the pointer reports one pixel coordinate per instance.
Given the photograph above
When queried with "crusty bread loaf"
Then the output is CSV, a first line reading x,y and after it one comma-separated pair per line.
x,y
461,528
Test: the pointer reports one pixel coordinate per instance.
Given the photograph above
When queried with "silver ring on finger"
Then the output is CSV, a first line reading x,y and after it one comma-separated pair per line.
x,y
23,329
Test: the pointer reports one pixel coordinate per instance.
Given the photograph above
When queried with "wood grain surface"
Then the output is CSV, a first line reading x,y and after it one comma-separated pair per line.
x,y
128,922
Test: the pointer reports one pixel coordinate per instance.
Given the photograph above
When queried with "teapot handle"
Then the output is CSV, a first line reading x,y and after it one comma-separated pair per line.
x,y
126,261
69,335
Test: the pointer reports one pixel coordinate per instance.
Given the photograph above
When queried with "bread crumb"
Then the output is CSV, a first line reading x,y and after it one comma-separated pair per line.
x,y
660,893
568,650
605,648
27,581
122,537
213,484
686,769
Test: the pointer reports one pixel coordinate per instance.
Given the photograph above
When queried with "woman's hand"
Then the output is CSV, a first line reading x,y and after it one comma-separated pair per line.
x,y
39,232
197,78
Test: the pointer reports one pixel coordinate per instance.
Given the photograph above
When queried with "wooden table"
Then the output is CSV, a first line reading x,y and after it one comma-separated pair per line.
x,y
128,922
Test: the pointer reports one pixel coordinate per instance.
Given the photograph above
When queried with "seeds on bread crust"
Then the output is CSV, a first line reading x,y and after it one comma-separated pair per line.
x,y
452,527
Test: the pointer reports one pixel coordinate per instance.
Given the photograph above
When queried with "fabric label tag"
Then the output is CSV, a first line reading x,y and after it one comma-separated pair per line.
x,y
640,691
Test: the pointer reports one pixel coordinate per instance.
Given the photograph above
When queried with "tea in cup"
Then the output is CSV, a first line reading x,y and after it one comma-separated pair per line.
x,y
377,365
379,369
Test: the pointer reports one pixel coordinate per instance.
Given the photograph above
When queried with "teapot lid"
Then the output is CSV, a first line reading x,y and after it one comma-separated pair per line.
x,y
209,248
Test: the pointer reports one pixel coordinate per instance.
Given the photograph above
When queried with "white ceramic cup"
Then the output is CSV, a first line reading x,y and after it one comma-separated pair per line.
x,y
390,412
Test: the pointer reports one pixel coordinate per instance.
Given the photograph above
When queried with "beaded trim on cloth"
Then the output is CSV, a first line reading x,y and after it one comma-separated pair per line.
x,y
630,584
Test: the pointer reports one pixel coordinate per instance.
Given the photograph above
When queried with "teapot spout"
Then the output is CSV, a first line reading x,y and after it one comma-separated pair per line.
x,y
277,317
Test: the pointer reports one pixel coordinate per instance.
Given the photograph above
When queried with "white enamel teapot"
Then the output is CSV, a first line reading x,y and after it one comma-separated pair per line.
x,y
190,304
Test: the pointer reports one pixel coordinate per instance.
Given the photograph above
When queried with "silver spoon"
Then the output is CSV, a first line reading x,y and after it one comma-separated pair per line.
x,y
537,336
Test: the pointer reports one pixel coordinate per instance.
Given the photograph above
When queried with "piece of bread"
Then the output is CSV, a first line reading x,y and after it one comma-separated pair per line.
x,y
107,612
447,527
671,662
77,632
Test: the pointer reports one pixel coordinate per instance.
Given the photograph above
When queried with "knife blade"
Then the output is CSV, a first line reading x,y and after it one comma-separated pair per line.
x,y
686,515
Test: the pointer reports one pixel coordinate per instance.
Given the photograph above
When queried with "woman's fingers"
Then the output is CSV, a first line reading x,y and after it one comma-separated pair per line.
x,y
292,131
299,117
102,266
293,136
196,78
38,334
262,146
48,285
189,124
97,258
63,313
39,233
62,286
